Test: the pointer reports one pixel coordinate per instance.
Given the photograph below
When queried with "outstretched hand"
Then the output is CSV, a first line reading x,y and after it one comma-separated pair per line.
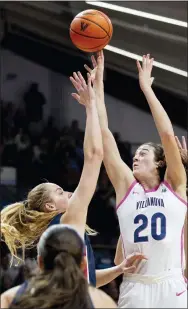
x,y
85,93
98,68
144,72
130,264
182,148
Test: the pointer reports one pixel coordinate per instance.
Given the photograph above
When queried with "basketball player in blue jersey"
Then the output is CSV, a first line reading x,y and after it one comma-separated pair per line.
x,y
151,202
23,223
60,282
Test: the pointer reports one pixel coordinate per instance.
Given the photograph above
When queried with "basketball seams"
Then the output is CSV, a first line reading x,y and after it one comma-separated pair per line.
x,y
92,14
87,36
91,21
107,20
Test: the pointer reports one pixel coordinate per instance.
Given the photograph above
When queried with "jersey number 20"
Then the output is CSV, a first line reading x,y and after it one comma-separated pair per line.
x,y
157,220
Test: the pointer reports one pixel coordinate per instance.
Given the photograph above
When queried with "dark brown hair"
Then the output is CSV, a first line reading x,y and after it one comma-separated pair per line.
x,y
61,284
160,156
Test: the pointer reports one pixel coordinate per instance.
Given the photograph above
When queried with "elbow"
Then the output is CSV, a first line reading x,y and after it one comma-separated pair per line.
x,y
105,132
168,138
116,261
95,154
167,135
98,283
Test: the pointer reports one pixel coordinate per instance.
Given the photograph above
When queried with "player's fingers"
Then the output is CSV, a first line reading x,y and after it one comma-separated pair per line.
x,y
178,142
75,84
82,79
94,62
76,96
184,143
87,68
131,260
150,65
99,53
144,62
129,269
148,60
151,62
136,255
102,54
100,58
76,77
78,81
136,263
137,258
89,80
138,66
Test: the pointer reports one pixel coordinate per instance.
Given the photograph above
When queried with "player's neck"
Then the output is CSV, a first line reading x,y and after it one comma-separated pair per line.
x,y
150,183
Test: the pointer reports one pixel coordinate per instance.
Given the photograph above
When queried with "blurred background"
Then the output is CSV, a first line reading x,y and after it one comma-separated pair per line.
x,y
42,127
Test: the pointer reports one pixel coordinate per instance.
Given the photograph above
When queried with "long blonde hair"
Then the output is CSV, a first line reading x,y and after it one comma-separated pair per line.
x,y
23,223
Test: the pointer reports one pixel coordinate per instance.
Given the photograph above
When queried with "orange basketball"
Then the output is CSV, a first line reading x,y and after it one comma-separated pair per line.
x,y
91,30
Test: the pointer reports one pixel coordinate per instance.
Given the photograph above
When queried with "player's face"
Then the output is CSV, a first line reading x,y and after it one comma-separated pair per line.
x,y
144,162
59,198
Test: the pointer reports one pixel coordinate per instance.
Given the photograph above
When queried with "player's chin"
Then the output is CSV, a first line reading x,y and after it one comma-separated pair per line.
x,y
137,174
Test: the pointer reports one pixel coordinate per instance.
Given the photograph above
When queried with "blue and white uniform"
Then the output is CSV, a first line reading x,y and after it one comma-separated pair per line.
x,y
152,223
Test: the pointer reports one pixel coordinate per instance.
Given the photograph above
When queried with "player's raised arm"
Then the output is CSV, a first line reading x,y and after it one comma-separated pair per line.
x,y
175,170
93,155
118,172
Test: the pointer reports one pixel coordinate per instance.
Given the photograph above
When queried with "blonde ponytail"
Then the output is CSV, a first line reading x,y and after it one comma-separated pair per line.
x,y
23,223
21,227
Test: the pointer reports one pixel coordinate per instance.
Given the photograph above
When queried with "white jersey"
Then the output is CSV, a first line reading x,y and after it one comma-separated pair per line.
x,y
152,223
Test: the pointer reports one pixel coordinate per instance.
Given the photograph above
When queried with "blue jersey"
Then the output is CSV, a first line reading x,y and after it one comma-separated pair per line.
x,y
90,258
23,288
89,253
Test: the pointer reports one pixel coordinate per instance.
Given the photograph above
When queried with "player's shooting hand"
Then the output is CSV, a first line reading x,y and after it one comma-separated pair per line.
x,y
130,264
183,149
98,68
85,94
144,72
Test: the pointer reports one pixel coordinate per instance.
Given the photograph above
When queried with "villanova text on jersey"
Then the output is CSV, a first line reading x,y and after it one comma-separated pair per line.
x,y
150,201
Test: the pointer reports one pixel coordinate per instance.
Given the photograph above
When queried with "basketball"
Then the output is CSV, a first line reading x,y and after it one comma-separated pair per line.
x,y
91,30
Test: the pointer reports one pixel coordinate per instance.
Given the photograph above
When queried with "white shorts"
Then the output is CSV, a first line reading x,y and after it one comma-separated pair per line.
x,y
165,291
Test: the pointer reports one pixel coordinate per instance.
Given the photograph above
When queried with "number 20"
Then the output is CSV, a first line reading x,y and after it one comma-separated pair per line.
x,y
144,219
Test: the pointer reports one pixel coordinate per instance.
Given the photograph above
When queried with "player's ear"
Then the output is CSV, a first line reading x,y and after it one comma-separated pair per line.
x,y
50,207
161,163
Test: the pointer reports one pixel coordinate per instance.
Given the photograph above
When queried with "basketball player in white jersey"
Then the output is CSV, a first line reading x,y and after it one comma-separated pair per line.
x,y
151,202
